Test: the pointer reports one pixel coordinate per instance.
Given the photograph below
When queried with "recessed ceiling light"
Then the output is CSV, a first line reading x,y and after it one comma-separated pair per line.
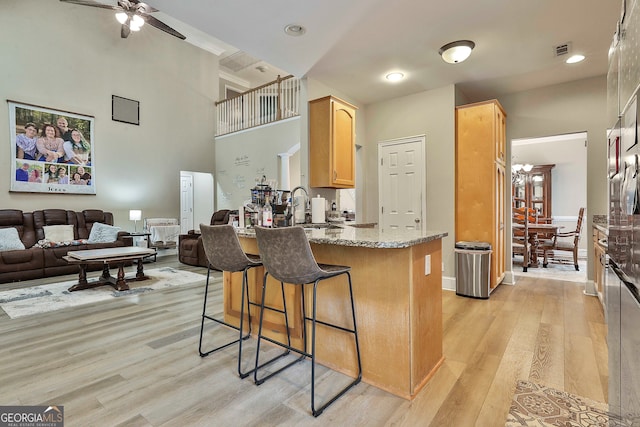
x,y
394,77
294,30
574,58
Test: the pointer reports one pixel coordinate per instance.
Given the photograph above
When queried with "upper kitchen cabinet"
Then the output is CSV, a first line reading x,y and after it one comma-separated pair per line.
x,y
332,137
480,180
613,99
628,48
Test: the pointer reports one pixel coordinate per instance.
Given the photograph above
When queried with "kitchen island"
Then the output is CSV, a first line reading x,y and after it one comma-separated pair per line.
x,y
398,305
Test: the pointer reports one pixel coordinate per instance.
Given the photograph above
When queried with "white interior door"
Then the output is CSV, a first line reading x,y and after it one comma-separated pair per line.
x,y
186,203
401,183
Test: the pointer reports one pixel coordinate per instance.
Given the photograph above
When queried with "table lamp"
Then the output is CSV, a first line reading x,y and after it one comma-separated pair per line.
x,y
135,215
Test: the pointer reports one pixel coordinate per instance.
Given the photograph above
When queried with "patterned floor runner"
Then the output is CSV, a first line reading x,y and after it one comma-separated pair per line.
x,y
540,406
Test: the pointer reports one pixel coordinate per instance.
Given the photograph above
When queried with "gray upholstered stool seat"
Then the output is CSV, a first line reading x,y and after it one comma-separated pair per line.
x,y
287,257
224,253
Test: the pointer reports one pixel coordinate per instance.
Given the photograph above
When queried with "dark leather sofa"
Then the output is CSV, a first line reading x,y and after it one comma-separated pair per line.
x,y
35,262
190,248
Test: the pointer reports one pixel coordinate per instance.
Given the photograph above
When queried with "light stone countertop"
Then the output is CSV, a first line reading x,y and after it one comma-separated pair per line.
x,y
600,222
375,238
602,228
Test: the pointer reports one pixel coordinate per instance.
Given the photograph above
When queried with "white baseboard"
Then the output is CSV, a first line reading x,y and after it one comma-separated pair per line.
x,y
590,288
509,278
448,283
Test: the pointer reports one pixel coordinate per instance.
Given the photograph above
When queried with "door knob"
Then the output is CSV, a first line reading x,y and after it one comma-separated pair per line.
x,y
417,220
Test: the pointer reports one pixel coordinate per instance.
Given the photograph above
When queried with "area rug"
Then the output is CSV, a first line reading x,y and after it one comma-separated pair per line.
x,y
565,272
536,405
55,296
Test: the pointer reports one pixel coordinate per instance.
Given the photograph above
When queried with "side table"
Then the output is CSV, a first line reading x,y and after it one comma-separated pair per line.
x,y
147,236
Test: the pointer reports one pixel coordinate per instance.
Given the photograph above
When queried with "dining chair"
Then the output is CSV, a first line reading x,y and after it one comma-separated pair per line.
x,y
551,246
520,244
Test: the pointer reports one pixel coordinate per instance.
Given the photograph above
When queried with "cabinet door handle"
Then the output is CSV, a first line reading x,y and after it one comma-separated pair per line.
x,y
335,175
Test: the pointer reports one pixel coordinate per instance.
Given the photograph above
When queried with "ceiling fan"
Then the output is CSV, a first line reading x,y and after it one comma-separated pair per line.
x,y
132,14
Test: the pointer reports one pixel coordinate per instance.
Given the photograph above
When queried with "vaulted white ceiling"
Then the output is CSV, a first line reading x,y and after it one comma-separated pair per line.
x,y
351,44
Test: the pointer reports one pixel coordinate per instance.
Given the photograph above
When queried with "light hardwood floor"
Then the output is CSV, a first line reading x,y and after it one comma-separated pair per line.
x,y
134,362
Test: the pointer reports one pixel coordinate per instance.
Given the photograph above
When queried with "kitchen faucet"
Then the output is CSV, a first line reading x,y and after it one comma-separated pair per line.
x,y
293,202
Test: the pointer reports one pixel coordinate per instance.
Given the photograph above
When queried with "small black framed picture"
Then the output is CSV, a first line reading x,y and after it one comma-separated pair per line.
x,y
125,110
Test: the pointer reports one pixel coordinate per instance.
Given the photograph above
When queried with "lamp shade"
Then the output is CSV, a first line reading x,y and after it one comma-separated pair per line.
x,y
135,215
457,51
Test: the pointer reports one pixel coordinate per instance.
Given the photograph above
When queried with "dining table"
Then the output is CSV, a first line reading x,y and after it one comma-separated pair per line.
x,y
533,230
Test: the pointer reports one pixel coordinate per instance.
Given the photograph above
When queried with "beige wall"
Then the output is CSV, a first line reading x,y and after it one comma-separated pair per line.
x,y
241,157
429,113
566,108
75,60
315,90
72,58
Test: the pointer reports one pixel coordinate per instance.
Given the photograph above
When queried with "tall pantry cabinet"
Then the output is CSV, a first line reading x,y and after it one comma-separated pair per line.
x,y
480,180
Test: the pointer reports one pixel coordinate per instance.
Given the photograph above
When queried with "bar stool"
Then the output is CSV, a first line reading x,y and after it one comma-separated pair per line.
x,y
287,257
224,253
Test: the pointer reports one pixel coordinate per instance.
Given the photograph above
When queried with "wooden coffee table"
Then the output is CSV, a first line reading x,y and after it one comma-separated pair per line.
x,y
107,257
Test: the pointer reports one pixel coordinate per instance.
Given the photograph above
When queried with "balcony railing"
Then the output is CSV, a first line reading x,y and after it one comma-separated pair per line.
x,y
268,103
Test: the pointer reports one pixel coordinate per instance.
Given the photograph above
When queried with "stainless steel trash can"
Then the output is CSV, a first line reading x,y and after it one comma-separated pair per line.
x,y
473,269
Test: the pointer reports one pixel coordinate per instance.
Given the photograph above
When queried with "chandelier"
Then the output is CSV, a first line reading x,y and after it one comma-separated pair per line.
x,y
519,172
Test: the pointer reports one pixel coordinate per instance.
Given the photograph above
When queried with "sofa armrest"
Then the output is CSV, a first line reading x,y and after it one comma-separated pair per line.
x,y
190,236
125,237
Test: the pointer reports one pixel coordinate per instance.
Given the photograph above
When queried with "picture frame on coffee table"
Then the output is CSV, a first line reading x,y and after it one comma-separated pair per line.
x,y
51,150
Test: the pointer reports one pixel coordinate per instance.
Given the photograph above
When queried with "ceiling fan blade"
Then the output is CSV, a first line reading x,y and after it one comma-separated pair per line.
x,y
137,6
125,31
92,4
162,26
145,8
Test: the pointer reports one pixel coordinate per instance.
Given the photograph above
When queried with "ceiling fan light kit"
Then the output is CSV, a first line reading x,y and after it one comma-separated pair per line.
x,y
457,51
122,17
132,14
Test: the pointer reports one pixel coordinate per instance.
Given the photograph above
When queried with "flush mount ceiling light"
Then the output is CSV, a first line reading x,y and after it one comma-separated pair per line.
x,y
457,51
294,30
574,58
394,77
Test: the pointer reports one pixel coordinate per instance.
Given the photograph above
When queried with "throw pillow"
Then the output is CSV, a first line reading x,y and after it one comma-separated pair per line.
x,y
103,233
10,240
58,233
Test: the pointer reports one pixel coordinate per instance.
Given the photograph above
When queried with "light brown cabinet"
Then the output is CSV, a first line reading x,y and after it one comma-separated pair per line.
x,y
599,262
480,180
332,137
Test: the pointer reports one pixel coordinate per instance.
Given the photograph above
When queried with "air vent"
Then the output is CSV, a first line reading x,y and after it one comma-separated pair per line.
x,y
563,49
238,61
